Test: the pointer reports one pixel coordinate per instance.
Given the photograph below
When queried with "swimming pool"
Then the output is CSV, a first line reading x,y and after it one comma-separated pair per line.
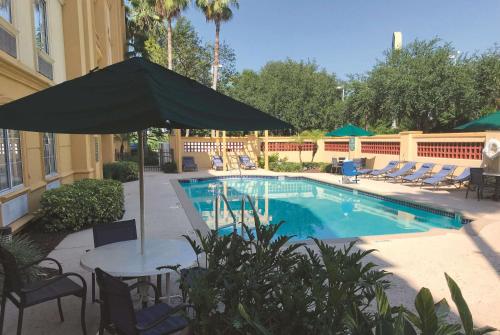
x,y
313,208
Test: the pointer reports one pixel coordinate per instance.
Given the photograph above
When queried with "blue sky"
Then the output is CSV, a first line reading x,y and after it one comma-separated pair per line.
x,y
348,36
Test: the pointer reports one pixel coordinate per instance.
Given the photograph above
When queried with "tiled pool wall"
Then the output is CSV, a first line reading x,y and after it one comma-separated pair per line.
x,y
408,203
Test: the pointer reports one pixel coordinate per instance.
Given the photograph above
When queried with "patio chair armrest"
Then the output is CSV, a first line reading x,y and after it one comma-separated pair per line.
x,y
158,321
145,283
59,266
55,279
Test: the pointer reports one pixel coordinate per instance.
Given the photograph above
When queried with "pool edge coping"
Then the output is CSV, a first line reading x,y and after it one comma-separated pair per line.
x,y
197,222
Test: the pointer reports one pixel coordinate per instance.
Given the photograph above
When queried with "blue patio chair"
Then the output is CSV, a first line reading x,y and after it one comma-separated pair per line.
x,y
441,176
246,162
117,310
403,171
461,178
349,170
388,168
424,170
217,163
188,164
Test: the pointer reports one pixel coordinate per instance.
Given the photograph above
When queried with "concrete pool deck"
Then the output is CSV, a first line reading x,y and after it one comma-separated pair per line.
x,y
472,258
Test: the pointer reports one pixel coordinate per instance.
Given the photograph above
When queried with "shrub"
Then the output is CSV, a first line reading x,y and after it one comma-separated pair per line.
x,y
266,285
169,167
273,158
26,252
81,204
283,166
123,171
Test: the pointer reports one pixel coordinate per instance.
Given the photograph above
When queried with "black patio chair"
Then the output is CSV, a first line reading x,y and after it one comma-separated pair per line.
x,y
476,182
108,233
118,314
24,293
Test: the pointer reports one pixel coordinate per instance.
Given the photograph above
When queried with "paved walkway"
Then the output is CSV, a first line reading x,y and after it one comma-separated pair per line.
x,y
471,258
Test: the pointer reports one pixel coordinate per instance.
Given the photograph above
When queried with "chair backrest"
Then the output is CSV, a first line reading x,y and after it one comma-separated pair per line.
x,y
13,281
335,162
408,166
217,159
118,231
464,175
117,306
426,166
349,168
476,176
244,159
188,160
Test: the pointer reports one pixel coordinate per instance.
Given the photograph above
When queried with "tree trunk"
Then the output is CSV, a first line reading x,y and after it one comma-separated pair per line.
x,y
169,43
216,56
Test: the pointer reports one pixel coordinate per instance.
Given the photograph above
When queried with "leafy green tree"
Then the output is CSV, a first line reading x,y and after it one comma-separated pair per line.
x,y
426,85
218,11
297,92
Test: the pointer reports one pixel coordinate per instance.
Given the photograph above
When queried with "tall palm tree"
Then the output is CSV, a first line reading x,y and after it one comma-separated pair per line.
x,y
217,11
170,9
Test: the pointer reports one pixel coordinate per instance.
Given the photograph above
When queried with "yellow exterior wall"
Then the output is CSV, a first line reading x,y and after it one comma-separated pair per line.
x,y
82,34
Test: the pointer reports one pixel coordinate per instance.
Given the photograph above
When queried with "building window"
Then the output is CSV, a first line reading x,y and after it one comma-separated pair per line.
x,y
41,31
49,153
6,10
11,166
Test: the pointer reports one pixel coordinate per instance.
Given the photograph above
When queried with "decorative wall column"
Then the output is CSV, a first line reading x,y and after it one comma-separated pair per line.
x,y
266,147
178,149
224,152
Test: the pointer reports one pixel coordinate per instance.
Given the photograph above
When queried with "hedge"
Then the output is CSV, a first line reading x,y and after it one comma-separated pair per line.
x,y
81,205
169,167
123,171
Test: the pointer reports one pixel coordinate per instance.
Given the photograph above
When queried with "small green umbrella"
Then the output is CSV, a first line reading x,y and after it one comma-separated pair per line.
x,y
488,122
350,130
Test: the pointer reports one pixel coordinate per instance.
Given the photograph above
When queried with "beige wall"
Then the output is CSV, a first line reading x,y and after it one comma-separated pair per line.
x,y
408,142
79,40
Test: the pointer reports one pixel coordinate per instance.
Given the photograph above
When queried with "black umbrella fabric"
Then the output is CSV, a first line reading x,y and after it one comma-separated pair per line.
x,y
130,96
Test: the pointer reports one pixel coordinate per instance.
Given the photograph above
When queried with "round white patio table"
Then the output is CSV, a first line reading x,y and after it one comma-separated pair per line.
x,y
124,259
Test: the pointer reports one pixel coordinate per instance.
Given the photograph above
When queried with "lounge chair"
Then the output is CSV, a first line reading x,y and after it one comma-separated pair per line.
x,y
403,171
188,164
424,170
388,168
217,162
349,170
440,176
246,162
461,178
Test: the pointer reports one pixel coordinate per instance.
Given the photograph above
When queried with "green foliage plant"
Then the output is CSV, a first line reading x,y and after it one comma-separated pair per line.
x,y
169,167
263,284
80,205
123,171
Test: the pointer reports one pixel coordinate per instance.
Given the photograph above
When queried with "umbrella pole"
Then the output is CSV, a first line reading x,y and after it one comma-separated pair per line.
x,y
140,136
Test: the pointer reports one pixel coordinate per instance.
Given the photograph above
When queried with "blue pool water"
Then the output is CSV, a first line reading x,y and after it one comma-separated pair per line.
x,y
311,208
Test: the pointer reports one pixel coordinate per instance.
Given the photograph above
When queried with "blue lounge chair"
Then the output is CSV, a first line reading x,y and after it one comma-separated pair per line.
x,y
349,170
388,168
440,176
246,162
405,169
217,163
188,164
461,178
420,173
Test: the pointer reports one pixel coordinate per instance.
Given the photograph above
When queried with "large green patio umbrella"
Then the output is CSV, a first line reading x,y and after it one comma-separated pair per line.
x,y
132,95
488,122
349,130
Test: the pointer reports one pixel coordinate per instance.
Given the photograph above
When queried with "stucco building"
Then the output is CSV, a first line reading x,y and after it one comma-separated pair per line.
x,y
43,43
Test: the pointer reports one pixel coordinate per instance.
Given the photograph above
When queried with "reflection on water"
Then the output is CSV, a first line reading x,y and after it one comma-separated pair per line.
x,y
308,208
